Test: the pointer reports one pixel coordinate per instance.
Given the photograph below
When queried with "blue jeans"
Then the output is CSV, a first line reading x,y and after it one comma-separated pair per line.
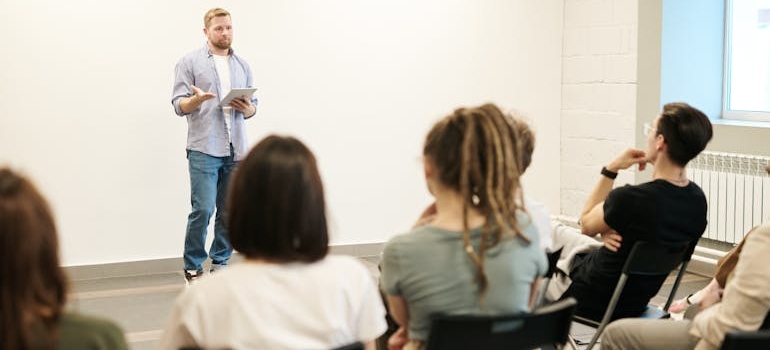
x,y
209,177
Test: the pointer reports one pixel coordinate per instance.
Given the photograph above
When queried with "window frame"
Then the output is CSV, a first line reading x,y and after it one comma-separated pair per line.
x,y
734,114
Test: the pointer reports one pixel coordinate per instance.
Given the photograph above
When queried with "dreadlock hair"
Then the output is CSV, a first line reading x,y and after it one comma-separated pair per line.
x,y
484,140
526,141
32,283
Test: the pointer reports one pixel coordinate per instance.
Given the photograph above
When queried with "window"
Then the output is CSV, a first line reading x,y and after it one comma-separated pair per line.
x,y
747,60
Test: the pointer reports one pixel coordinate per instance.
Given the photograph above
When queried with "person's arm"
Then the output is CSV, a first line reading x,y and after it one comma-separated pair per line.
x,y
244,106
176,334
398,309
592,217
534,291
612,240
189,104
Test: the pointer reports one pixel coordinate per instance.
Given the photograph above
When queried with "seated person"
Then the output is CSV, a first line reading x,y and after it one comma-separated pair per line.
x,y
742,307
288,294
668,209
480,254
539,213
33,285
724,272
725,268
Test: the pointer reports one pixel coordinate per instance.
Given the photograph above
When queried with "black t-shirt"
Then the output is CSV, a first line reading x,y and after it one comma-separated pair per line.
x,y
655,211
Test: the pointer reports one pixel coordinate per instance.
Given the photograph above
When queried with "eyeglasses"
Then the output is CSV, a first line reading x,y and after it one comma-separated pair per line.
x,y
648,129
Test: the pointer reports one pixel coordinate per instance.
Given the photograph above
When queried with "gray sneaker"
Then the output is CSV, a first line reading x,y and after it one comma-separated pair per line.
x,y
190,276
217,267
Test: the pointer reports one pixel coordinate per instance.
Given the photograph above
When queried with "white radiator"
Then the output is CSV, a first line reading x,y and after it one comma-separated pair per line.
x,y
737,190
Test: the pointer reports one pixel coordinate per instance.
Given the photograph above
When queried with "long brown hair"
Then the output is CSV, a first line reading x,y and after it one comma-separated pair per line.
x,y
485,142
32,283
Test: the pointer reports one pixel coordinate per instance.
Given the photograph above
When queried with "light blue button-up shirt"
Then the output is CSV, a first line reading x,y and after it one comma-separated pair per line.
x,y
206,128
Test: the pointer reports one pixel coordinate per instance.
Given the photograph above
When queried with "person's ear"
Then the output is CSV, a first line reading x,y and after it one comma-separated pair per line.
x,y
428,168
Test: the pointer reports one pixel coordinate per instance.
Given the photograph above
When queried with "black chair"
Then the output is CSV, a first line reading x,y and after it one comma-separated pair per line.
x,y
759,340
553,258
547,325
645,259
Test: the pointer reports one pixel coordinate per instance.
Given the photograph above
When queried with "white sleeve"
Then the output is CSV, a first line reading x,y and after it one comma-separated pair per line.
x,y
371,315
176,335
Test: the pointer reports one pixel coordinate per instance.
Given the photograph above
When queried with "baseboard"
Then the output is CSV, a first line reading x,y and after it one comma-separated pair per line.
x,y
170,265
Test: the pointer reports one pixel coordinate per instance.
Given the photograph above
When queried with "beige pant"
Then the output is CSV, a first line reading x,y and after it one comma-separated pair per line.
x,y
414,345
640,334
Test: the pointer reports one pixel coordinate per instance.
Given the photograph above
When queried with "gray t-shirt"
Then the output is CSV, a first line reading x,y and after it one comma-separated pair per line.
x,y
429,268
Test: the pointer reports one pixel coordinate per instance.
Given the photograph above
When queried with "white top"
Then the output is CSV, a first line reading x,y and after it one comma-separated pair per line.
x,y
222,65
541,218
323,305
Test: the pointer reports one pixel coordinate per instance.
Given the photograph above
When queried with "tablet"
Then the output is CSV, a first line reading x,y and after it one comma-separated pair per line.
x,y
237,93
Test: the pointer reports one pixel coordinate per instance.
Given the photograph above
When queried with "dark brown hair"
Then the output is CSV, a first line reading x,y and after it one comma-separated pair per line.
x,y
476,152
32,284
686,131
276,207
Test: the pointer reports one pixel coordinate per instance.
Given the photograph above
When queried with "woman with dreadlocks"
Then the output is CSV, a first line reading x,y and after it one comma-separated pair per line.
x,y
480,254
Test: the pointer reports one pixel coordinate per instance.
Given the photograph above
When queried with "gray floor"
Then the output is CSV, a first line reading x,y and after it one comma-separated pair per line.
x,y
140,304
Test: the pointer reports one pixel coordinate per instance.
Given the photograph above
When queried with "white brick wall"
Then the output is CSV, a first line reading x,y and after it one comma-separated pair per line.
x,y
598,93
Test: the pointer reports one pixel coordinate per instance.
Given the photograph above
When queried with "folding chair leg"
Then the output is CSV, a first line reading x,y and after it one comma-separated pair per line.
x,y
595,338
571,342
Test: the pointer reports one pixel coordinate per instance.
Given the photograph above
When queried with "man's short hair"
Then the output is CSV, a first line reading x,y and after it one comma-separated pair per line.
x,y
686,129
215,12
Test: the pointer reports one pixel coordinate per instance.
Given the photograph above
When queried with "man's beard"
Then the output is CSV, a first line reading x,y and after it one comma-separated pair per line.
x,y
222,44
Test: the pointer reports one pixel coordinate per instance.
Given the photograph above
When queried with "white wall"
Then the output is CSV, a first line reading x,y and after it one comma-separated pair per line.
x,y
85,110
598,106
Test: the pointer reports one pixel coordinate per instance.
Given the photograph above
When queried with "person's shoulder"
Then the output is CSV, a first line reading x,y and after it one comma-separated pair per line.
x,y
763,229
351,268
339,260
79,331
194,54
416,235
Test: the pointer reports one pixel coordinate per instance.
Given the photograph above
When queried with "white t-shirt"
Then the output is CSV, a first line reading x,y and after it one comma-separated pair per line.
x,y
323,305
222,65
541,218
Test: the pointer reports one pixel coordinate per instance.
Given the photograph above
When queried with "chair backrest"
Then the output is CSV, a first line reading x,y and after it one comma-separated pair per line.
x,y
646,259
546,325
655,259
759,340
553,258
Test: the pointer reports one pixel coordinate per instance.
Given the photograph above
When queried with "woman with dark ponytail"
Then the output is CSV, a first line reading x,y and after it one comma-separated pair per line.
x,y
480,254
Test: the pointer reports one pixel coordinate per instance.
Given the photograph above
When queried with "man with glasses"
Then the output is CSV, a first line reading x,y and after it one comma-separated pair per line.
x,y
741,306
670,209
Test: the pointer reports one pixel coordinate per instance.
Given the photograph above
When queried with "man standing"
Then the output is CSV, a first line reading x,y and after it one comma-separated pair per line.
x,y
216,138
